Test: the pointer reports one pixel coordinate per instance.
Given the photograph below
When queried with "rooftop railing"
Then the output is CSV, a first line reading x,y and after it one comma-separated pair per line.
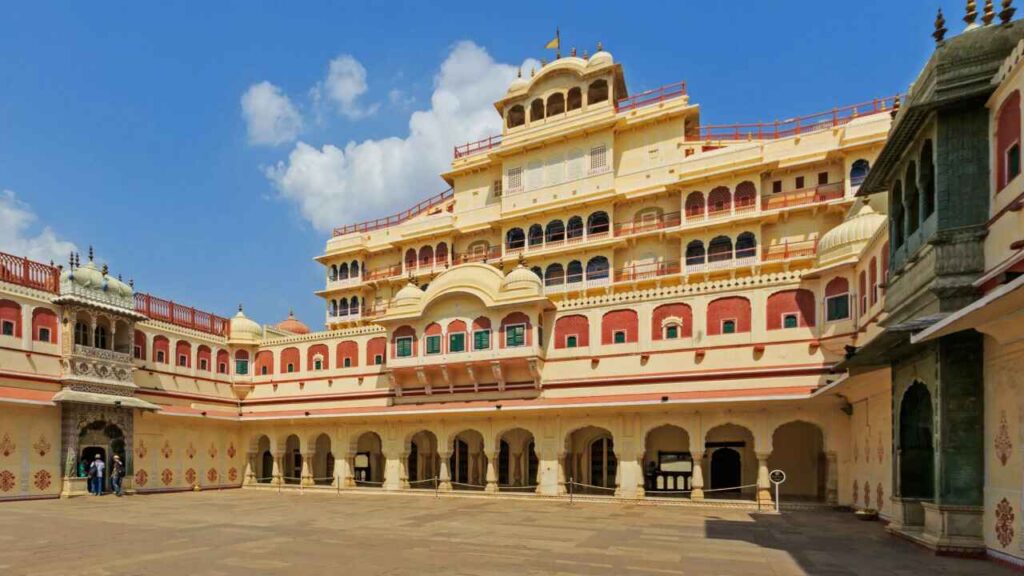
x,y
388,221
477,147
796,126
639,226
788,250
29,273
184,316
812,195
649,97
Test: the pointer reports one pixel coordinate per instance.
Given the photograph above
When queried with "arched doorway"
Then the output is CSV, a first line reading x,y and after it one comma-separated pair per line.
x,y
368,461
468,463
517,461
265,463
732,464
726,469
916,451
668,466
292,473
423,463
591,463
323,461
103,439
798,450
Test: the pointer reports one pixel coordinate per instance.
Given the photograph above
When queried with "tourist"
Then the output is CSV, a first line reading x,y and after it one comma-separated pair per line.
x,y
117,475
96,476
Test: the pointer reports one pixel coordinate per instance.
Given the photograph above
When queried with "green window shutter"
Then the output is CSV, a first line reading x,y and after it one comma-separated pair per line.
x,y
433,344
570,342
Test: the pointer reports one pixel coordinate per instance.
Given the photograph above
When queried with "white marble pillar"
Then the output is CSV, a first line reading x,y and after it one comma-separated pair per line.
x,y
697,479
492,473
764,492
445,477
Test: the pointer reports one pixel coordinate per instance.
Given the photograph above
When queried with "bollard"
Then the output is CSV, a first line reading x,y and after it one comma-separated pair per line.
x,y
570,490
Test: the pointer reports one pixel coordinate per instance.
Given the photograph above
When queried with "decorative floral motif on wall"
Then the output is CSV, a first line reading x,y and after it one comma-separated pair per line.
x,y
167,450
856,493
1002,442
231,450
879,496
141,451
881,449
212,451
1004,523
212,475
856,452
232,474
867,494
7,446
42,479
42,446
6,481
190,476
141,478
190,451
867,449
167,476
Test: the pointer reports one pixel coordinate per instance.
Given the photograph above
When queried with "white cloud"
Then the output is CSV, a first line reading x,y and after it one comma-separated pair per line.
x,y
399,99
270,116
16,220
344,84
334,185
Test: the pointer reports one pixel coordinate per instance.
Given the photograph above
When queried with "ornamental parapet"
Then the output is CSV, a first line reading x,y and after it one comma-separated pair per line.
x,y
97,366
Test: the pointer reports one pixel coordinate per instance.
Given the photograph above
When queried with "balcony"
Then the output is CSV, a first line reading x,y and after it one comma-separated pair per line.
x,y
28,273
379,223
98,366
795,126
803,197
184,316
790,251
650,224
571,282
340,283
640,272
651,97
715,262
471,148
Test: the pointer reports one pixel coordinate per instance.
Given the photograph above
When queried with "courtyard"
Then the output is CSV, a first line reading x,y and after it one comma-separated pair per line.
x,y
261,532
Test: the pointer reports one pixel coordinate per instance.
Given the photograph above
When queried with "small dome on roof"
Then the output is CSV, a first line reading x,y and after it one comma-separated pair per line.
x,y
409,294
241,325
518,84
860,226
292,324
521,277
600,58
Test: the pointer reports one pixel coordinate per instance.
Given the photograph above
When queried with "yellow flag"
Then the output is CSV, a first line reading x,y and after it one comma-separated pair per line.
x,y
553,45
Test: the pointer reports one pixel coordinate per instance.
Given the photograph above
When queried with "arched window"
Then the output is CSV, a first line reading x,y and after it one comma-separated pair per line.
x,y
1007,145
720,249
410,259
574,272
665,316
99,339
719,200
927,180
746,245
334,307
139,345
81,333
289,360
10,317
694,204
343,307
516,116
873,279
837,299
515,239
334,272
859,171
441,253
318,357
343,272
911,200
375,351
572,331
790,309
427,256
537,270
597,268
555,231
896,220
619,327
647,218
161,349
536,110
353,305
695,252
556,104
746,195
597,92
574,229
554,275
597,223
536,235
728,315
353,269
862,288
575,99
347,354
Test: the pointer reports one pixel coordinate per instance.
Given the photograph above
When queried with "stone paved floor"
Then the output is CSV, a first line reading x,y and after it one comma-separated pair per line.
x,y
255,532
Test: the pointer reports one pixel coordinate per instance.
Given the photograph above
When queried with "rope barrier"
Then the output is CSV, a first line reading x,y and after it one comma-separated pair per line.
x,y
481,486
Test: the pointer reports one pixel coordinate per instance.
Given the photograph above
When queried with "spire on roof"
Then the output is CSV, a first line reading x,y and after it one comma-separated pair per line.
x,y
971,15
1006,14
940,27
990,13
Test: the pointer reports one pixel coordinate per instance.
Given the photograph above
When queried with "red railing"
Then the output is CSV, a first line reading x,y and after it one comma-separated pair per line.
x,y
379,223
661,222
492,253
477,147
185,316
787,250
795,126
667,92
820,193
635,272
25,272
382,272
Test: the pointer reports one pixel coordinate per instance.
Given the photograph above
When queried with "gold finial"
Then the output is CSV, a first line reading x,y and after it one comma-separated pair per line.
x,y
940,27
895,106
522,259
990,13
104,270
1006,14
972,13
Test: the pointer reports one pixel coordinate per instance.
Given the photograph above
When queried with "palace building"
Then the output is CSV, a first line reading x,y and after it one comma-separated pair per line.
x,y
613,298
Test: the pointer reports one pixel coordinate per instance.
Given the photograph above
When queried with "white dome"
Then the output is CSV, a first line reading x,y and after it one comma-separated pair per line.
x,y
860,225
409,294
518,84
600,58
242,326
521,277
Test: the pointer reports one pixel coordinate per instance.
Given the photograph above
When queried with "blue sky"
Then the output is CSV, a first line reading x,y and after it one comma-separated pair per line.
x,y
122,125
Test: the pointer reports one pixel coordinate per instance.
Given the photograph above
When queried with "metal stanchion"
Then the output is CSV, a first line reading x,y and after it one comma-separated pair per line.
x,y
436,495
570,490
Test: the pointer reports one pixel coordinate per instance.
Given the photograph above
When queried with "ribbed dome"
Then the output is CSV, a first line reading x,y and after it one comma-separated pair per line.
x,y
409,294
860,225
518,84
600,58
86,275
292,324
521,277
243,326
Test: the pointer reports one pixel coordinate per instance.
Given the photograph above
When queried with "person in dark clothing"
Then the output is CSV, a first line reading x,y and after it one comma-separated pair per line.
x,y
96,475
117,475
